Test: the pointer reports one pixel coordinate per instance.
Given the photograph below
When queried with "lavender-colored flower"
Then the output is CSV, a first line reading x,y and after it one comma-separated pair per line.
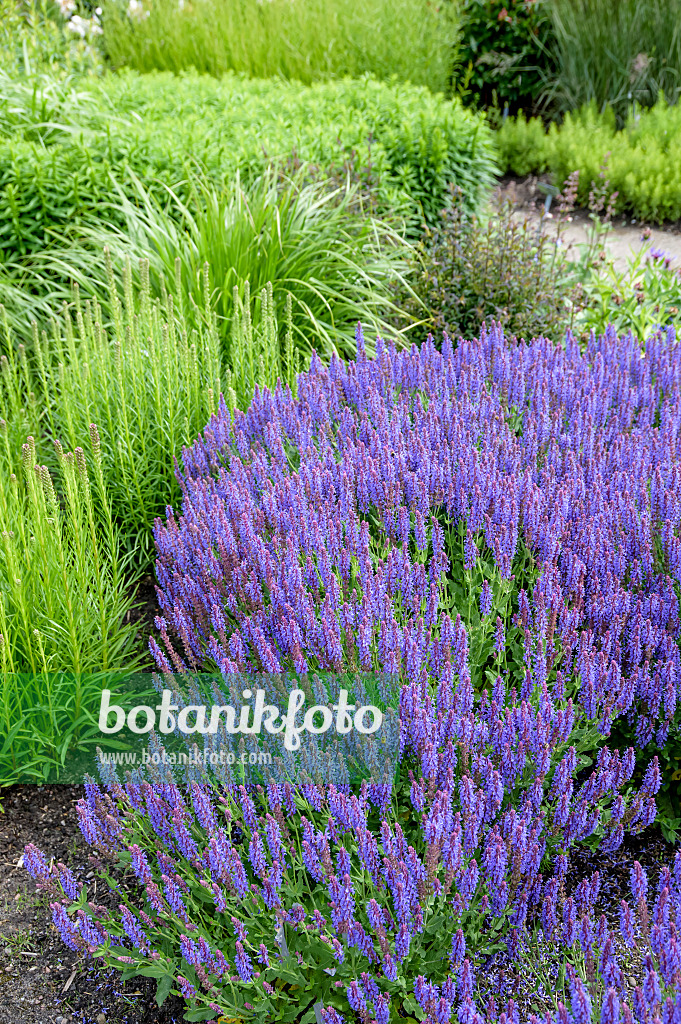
x,y
458,951
140,865
579,999
243,963
174,897
499,636
639,882
470,551
186,988
68,882
610,1011
331,1016
627,925
133,929
68,930
382,1009
651,986
35,863
356,998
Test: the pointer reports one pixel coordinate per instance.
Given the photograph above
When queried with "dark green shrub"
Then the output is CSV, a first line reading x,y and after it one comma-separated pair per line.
x,y
505,47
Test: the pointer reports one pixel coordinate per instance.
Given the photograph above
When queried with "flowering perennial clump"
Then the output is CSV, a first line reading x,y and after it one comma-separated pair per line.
x,y
326,532
496,527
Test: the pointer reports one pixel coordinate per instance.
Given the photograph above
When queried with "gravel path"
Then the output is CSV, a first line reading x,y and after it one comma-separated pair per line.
x,y
623,240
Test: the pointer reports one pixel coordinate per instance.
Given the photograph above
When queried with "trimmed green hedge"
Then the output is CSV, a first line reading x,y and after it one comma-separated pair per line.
x,y
643,165
164,127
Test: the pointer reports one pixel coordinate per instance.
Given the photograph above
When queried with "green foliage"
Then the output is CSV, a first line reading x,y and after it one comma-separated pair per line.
x,y
305,241
34,37
643,158
645,295
164,128
64,595
614,53
132,388
255,352
504,270
523,146
62,602
303,41
505,46
147,382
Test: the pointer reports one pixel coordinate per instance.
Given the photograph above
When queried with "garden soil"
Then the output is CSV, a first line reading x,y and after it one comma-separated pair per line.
x,y
41,981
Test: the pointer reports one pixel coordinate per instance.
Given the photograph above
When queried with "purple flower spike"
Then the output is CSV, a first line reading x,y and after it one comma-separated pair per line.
x,y
243,963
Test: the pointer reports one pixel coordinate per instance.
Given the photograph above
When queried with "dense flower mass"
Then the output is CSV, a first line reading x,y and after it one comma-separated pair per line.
x,y
495,526
325,531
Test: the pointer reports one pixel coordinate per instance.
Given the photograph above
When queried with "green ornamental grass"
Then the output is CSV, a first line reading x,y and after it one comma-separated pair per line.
x,y
305,40
307,241
614,53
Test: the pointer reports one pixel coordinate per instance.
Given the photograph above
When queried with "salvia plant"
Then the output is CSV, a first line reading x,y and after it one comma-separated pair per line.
x,y
494,527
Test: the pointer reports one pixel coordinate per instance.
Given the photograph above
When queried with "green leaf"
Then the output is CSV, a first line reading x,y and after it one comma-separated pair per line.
x,y
163,991
199,1014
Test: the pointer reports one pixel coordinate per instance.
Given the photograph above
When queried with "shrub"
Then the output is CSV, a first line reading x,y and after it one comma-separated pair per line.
x,y
505,47
162,128
494,527
305,41
642,158
523,145
614,54
506,270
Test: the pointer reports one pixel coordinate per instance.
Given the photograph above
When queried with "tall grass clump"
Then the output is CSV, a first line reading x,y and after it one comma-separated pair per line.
x,y
148,372
615,53
64,601
306,41
138,373
307,241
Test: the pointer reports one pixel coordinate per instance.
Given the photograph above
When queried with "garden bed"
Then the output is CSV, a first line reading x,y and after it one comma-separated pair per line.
x,y
41,981
32,985
213,467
